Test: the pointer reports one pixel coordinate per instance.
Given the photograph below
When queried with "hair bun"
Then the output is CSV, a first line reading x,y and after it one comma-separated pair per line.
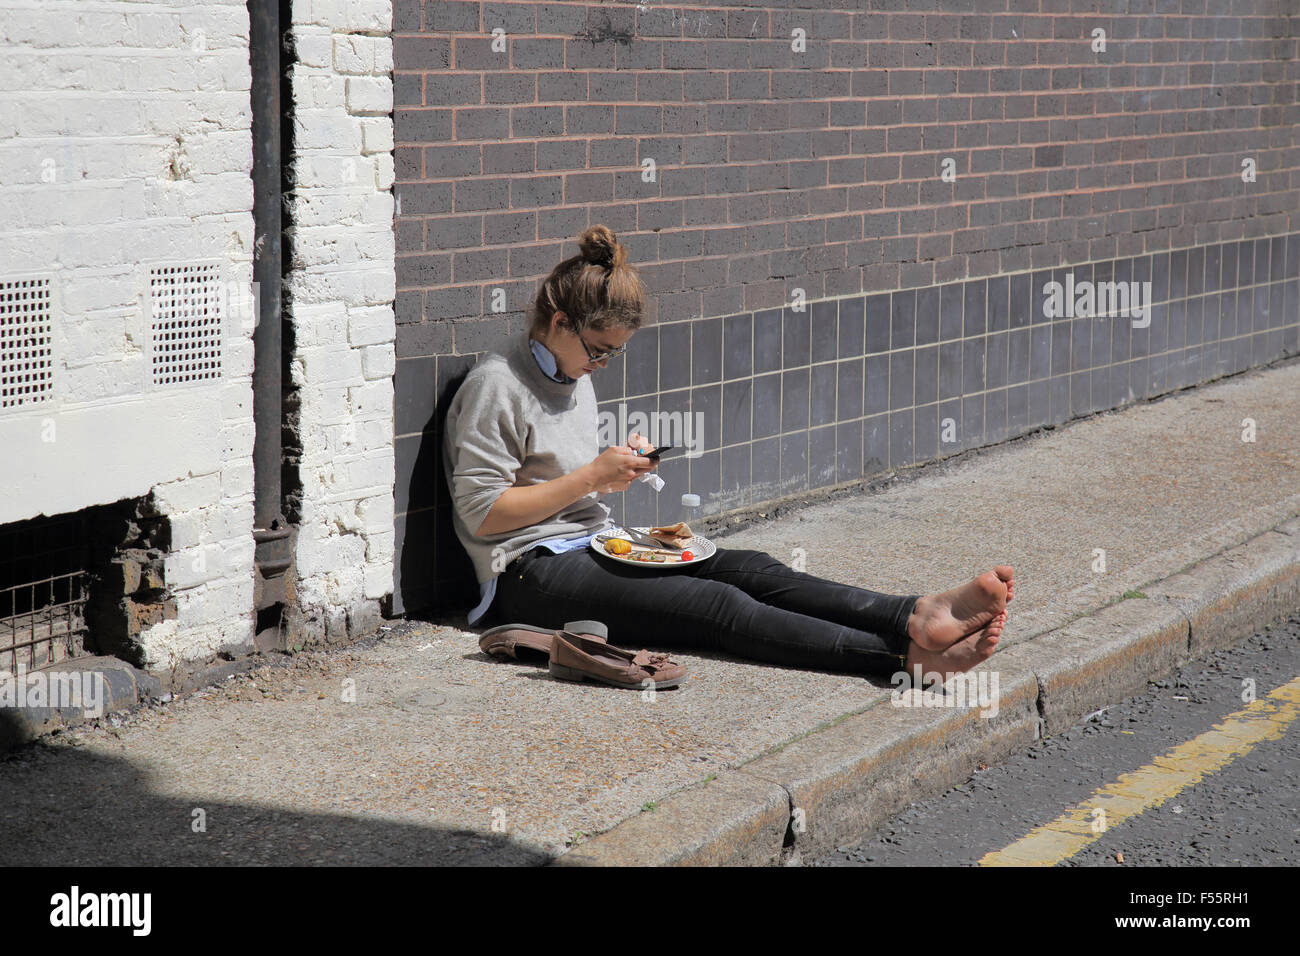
x,y
599,246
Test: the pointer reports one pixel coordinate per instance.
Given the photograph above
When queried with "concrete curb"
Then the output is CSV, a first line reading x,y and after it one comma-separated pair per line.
x,y
827,787
121,687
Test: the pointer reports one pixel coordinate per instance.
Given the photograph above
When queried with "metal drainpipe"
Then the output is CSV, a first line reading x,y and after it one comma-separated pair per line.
x,y
273,535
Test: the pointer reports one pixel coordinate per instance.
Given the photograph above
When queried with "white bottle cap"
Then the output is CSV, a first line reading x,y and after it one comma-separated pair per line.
x,y
691,501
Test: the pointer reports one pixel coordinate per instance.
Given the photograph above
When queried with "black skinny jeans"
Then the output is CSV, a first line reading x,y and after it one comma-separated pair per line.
x,y
739,602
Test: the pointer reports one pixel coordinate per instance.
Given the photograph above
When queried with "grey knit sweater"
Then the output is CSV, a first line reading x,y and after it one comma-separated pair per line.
x,y
511,425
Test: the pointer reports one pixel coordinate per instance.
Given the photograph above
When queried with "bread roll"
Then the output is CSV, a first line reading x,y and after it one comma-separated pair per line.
x,y
678,535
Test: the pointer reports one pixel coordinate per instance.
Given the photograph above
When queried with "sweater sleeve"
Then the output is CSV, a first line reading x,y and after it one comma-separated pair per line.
x,y
481,446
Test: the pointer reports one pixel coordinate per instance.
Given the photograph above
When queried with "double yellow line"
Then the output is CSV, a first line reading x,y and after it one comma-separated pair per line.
x,y
1150,786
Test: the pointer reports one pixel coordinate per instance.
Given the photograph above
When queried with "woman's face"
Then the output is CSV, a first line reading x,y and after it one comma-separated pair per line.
x,y
573,359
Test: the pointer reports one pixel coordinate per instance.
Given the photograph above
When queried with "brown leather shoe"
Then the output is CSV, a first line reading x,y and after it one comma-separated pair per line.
x,y
578,658
525,642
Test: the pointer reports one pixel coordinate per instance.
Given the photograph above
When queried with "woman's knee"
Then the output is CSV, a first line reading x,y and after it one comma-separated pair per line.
x,y
745,559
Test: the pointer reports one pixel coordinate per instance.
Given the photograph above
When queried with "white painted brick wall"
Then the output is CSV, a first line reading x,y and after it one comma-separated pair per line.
x,y
371,96
342,290
379,361
124,141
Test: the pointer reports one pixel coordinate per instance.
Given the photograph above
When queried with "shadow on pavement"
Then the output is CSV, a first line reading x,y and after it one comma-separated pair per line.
x,y
63,807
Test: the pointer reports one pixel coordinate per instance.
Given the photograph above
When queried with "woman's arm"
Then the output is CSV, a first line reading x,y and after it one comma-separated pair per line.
x,y
528,504
523,505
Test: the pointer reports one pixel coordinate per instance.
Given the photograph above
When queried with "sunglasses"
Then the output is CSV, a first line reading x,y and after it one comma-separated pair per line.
x,y
599,356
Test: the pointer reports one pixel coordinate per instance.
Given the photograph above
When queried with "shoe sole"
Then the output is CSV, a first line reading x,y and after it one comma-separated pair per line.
x,y
578,627
561,672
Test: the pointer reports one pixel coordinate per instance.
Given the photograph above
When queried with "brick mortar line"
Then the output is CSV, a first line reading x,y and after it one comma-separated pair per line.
x,y
1033,270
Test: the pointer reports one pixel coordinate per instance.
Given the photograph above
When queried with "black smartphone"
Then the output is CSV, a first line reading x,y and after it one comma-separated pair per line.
x,y
655,453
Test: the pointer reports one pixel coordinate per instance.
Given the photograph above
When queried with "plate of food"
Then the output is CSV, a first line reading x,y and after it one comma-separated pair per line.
x,y
668,546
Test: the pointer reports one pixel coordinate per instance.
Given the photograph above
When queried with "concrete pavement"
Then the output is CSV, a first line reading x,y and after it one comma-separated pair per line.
x,y
1140,538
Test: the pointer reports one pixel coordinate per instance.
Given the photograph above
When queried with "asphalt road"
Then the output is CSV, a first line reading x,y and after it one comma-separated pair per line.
x,y
1245,814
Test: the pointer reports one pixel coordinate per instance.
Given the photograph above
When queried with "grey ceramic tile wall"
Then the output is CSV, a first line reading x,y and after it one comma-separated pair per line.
x,y
847,388
792,401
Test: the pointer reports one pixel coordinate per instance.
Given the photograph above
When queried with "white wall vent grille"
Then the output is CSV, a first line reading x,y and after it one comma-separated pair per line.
x,y
185,326
26,359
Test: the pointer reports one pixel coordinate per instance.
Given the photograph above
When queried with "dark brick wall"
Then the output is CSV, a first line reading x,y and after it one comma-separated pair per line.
x,y
820,171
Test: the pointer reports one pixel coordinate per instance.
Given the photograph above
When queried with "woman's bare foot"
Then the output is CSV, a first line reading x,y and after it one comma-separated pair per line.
x,y
960,656
1007,573
939,620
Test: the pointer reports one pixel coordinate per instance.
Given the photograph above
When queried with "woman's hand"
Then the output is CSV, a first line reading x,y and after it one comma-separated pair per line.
x,y
618,466
638,442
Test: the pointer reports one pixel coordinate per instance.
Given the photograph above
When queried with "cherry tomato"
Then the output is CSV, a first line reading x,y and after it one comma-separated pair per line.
x,y
686,556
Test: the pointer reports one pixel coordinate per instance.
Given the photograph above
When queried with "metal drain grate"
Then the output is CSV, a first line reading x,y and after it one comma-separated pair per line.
x,y
186,323
26,363
43,587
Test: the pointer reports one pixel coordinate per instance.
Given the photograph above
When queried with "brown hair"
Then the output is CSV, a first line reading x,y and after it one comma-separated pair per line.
x,y
596,289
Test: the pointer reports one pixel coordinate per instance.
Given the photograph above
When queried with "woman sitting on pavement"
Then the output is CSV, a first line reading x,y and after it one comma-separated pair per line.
x,y
526,477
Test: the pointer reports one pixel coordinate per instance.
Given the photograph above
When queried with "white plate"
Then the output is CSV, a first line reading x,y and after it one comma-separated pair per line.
x,y
700,548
